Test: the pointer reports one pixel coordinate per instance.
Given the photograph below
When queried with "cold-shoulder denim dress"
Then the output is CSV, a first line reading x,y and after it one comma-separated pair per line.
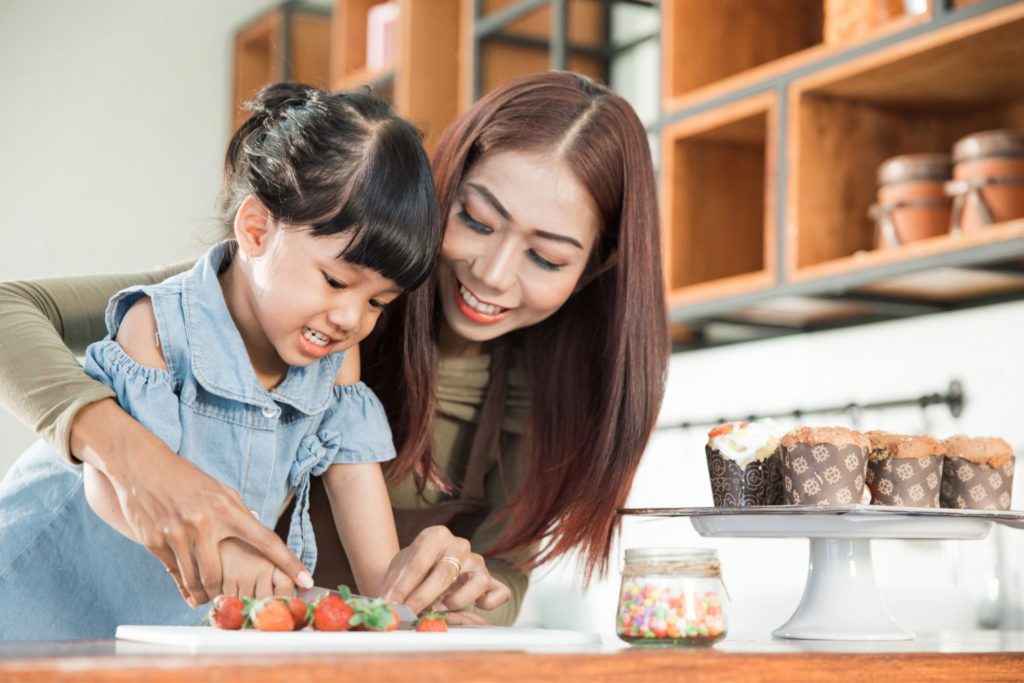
x,y
66,574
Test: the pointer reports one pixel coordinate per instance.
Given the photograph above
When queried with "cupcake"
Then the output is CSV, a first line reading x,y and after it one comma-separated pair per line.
x,y
743,464
978,474
823,466
904,470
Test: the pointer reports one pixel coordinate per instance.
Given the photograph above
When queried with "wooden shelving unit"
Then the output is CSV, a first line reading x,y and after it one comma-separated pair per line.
x,y
424,81
770,152
724,240
289,42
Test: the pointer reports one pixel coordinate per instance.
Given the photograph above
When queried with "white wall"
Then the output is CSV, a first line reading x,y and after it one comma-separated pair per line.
x,y
113,121
114,117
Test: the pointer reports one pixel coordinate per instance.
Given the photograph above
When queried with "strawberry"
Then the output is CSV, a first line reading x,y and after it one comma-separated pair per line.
x,y
394,621
227,612
432,622
272,614
300,613
373,615
331,613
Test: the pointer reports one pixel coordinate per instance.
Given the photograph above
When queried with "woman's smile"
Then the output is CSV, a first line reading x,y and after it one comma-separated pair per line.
x,y
474,308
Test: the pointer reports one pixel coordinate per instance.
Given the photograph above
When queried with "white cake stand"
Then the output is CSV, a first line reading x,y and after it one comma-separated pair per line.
x,y
840,600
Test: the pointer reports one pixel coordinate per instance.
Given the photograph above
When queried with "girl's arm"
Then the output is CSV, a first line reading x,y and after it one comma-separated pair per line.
x,y
177,511
365,523
361,506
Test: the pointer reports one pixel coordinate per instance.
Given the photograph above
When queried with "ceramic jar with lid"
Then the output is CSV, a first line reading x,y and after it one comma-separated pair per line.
x,y
672,597
988,179
912,201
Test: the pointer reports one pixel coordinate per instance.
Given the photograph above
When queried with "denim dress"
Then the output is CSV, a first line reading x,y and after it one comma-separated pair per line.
x,y
65,573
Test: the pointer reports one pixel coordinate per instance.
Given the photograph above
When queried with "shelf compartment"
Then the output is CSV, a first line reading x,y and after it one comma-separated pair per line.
x,y
718,190
348,54
259,57
921,95
709,48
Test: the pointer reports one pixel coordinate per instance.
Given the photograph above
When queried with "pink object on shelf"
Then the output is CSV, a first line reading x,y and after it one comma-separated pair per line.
x,y
381,36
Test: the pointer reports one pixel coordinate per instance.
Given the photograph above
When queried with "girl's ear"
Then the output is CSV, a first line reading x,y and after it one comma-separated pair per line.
x,y
253,227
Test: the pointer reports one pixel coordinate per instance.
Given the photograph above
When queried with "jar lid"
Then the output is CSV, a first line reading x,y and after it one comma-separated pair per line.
x,y
915,167
989,143
653,555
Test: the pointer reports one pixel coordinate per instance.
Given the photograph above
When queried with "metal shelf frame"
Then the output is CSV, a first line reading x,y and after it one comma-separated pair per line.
x,y
494,27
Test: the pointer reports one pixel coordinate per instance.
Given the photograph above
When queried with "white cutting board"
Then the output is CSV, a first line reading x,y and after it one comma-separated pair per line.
x,y
203,639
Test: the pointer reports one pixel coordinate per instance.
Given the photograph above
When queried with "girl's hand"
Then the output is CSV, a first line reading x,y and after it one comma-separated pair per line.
x,y
441,570
174,509
248,574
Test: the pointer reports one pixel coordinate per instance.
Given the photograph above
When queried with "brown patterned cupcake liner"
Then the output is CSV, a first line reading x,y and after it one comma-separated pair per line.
x,y
759,483
823,474
910,482
969,485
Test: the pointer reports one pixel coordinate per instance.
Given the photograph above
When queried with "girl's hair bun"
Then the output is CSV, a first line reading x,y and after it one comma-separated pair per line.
x,y
275,99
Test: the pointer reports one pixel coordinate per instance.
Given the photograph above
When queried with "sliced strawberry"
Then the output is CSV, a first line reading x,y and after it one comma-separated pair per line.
x,y
434,622
726,428
300,613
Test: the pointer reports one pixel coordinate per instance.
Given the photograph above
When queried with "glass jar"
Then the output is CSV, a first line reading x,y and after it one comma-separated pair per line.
x,y
672,596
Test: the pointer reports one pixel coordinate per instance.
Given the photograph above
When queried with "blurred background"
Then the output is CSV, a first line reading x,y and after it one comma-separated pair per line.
x,y
768,120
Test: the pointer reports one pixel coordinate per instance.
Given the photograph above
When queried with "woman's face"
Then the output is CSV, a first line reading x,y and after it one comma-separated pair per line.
x,y
519,235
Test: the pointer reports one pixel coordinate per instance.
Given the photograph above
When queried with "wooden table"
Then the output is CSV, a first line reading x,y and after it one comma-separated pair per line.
x,y
961,657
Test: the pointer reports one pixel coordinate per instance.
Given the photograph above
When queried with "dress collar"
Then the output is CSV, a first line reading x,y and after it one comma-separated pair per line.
x,y
219,359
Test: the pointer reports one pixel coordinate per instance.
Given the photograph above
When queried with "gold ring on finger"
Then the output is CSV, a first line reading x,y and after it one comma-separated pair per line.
x,y
453,562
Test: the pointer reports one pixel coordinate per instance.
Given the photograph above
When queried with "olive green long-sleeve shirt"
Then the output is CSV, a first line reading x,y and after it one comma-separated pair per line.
x,y
47,323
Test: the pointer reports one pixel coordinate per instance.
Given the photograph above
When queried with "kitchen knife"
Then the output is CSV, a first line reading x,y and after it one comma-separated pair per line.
x,y
308,595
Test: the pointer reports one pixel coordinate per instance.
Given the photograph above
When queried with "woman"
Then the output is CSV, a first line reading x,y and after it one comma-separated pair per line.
x,y
547,308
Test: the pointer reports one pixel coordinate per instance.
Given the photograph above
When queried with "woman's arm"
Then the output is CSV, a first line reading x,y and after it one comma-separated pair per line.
x,y
46,323
174,509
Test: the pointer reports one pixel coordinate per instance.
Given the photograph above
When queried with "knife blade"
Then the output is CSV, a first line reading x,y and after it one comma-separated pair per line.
x,y
405,614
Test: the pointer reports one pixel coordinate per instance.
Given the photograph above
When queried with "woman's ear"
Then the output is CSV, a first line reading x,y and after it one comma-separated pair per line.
x,y
253,227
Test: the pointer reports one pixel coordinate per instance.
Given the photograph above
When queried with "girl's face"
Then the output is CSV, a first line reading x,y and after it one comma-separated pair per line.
x,y
519,235
307,302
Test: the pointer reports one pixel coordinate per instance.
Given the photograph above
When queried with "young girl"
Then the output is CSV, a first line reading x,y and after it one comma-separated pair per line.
x,y
239,366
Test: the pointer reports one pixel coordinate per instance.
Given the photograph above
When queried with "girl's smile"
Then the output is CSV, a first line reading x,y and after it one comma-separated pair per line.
x,y
315,344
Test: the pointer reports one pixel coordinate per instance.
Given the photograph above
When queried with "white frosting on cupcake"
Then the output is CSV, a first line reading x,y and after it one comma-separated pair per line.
x,y
747,442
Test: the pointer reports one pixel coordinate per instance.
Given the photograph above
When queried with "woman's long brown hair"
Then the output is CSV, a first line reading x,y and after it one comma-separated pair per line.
x,y
597,366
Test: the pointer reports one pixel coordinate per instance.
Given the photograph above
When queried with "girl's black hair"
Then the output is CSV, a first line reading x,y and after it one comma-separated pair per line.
x,y
339,162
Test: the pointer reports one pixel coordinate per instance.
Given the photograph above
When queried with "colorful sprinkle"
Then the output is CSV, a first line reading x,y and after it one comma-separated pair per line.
x,y
665,612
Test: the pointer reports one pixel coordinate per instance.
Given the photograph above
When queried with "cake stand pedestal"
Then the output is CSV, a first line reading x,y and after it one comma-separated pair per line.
x,y
840,600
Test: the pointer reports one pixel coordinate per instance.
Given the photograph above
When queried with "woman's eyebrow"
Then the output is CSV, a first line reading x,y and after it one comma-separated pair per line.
x,y
486,194
493,201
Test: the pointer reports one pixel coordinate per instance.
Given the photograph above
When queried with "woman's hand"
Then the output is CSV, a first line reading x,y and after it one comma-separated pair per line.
x,y
174,509
441,570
